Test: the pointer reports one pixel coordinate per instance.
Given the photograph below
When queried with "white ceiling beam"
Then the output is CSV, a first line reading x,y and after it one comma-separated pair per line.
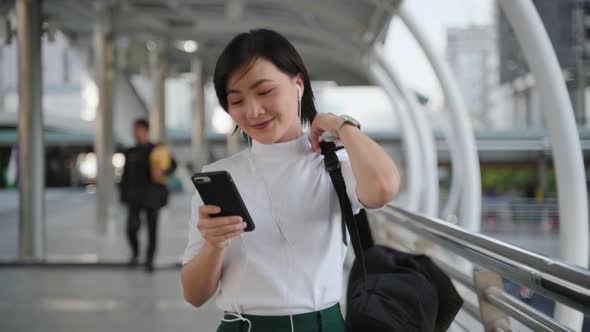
x,y
321,10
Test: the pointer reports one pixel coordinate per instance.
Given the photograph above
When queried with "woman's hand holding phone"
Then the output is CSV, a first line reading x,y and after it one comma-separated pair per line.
x,y
218,231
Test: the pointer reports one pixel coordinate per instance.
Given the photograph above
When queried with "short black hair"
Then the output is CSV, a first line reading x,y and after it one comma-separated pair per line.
x,y
246,47
142,123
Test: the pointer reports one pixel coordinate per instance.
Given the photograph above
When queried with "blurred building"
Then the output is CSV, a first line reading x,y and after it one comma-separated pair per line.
x,y
62,73
470,52
557,16
70,100
565,23
69,91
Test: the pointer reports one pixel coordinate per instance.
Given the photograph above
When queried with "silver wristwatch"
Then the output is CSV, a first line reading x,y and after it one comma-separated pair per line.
x,y
348,120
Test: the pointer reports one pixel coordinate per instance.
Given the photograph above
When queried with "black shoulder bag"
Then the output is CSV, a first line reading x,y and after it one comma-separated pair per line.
x,y
388,290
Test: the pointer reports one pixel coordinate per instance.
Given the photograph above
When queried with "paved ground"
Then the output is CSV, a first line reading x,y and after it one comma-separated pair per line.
x,y
71,229
95,299
98,300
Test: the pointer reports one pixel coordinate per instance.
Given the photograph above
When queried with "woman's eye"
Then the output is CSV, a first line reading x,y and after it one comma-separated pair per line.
x,y
265,92
236,103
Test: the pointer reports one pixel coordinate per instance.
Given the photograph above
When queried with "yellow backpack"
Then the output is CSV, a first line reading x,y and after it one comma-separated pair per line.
x,y
160,160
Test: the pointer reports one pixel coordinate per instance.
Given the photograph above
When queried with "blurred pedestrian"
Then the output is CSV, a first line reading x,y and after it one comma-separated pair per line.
x,y
143,188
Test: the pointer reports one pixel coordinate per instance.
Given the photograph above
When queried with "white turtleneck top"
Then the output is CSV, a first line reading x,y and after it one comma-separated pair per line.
x,y
293,261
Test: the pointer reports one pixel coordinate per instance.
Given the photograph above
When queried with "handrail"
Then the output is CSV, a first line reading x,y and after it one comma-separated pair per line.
x,y
563,282
571,273
529,316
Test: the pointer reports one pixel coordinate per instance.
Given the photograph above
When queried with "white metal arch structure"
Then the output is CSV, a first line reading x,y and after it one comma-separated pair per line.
x,y
470,208
563,134
411,150
334,25
429,191
454,197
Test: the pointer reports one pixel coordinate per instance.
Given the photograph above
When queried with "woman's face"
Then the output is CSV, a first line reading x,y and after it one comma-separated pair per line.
x,y
263,102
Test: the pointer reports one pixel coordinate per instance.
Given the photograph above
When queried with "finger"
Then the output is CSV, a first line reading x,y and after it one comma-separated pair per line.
x,y
207,223
209,209
314,137
316,147
316,143
228,236
221,231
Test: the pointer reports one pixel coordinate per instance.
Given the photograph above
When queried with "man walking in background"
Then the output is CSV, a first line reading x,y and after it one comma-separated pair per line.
x,y
143,189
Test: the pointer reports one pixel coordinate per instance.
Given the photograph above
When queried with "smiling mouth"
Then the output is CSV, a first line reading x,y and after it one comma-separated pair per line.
x,y
263,125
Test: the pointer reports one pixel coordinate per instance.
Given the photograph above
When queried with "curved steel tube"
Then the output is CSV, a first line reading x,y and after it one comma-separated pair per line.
x,y
566,283
411,148
470,211
563,134
429,196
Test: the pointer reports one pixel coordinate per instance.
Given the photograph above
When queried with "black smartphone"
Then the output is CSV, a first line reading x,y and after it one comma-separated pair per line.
x,y
218,188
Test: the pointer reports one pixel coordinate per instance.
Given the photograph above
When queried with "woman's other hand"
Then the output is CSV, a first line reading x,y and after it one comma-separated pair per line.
x,y
323,122
218,231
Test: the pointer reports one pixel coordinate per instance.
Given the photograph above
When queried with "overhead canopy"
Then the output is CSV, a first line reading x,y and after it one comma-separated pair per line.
x,y
331,35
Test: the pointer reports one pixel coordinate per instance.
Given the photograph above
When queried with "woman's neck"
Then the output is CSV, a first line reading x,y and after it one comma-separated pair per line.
x,y
291,135
282,149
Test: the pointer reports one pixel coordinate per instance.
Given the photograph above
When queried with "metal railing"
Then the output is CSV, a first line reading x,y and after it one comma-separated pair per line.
x,y
556,280
510,214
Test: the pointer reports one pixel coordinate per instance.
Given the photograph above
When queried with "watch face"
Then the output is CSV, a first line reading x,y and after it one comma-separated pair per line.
x,y
351,120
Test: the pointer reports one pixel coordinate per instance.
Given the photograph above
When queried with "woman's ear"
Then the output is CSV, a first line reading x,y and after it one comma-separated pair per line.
x,y
300,84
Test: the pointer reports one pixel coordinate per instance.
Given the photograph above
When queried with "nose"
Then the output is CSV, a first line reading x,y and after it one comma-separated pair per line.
x,y
254,110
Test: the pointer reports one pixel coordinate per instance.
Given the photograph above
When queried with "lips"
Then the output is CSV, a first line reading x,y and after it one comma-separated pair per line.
x,y
262,125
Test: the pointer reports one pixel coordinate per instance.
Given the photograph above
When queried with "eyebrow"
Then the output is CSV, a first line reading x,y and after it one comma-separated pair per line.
x,y
251,87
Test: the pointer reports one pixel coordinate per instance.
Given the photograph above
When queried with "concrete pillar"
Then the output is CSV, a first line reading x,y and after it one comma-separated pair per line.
x,y
2,94
104,142
200,151
158,110
31,176
541,189
579,93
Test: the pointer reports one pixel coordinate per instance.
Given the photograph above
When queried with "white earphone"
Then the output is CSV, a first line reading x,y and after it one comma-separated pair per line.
x,y
299,93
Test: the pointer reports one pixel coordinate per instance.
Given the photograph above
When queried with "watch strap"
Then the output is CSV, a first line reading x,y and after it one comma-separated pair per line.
x,y
344,123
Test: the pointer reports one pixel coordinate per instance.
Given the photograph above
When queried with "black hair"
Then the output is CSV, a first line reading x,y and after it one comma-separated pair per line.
x,y
246,47
142,123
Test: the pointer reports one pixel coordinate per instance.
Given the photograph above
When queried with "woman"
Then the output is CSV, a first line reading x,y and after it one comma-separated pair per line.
x,y
286,275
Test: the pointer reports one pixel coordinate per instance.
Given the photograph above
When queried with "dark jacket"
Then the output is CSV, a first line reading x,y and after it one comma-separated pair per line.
x,y
136,186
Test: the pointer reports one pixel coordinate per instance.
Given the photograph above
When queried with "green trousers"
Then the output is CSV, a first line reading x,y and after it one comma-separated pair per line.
x,y
327,320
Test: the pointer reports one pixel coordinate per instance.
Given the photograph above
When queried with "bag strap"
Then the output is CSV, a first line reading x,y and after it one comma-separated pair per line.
x,y
332,165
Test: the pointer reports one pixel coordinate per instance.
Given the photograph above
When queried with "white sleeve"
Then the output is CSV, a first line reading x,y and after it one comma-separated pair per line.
x,y
195,241
349,180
